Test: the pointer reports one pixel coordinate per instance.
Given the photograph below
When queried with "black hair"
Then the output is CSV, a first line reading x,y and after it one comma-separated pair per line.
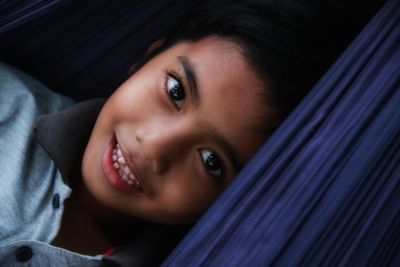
x,y
289,43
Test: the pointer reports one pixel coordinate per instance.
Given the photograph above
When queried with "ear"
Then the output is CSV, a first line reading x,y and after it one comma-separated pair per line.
x,y
157,44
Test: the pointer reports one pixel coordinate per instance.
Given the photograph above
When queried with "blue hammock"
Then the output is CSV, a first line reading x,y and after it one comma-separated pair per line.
x,y
65,43
325,189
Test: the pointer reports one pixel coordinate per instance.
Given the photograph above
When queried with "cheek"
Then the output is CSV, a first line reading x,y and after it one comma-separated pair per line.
x,y
134,100
187,196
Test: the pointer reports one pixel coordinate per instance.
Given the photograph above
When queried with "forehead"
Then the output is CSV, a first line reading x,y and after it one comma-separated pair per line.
x,y
230,93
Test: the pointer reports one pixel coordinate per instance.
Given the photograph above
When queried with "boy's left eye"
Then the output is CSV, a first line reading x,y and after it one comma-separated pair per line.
x,y
175,91
212,163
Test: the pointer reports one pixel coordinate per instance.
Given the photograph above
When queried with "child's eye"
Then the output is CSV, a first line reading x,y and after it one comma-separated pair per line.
x,y
176,91
212,163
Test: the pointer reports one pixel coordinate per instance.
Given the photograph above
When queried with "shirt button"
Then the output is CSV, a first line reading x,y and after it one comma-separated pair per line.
x,y
23,254
56,201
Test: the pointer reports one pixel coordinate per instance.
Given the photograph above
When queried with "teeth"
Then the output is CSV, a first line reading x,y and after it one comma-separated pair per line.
x,y
120,160
127,170
119,163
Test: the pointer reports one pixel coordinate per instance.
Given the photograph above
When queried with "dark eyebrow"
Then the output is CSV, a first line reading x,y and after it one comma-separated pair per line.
x,y
190,77
192,82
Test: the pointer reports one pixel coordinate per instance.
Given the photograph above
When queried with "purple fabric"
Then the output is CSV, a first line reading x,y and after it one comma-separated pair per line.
x,y
83,49
16,13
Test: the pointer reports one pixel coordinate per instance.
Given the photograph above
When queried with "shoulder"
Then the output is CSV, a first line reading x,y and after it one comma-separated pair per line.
x,y
19,91
22,100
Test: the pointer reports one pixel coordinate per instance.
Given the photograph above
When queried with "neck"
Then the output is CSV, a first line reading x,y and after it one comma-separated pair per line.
x,y
90,228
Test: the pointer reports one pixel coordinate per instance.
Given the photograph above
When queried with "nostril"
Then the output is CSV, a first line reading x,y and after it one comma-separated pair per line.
x,y
154,147
151,154
159,166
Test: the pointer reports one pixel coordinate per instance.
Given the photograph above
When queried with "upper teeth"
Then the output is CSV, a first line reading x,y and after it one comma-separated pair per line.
x,y
121,160
124,172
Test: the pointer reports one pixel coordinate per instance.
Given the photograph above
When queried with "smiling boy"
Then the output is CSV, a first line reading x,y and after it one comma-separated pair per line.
x,y
176,146
162,148
164,145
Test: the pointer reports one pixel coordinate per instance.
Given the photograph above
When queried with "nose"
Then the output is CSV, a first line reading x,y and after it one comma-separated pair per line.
x,y
164,145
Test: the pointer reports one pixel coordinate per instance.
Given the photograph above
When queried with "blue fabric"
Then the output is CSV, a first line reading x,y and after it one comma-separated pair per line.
x,y
325,189
15,13
83,49
32,192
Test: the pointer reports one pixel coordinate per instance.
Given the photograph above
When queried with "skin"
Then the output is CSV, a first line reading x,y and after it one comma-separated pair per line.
x,y
165,141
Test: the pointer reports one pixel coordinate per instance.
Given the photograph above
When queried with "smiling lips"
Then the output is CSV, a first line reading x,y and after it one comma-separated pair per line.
x,y
119,164
117,172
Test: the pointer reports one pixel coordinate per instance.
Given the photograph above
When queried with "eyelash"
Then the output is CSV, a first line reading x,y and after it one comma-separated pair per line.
x,y
221,175
172,95
172,75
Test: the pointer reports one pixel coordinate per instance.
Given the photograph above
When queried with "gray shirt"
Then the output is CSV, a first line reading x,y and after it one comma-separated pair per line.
x,y
32,191
42,139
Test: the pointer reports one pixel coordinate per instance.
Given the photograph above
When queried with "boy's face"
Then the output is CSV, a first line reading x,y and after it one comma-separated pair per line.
x,y
173,136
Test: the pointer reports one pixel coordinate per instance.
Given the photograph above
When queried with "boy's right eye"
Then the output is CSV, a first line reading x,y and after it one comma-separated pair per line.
x,y
175,91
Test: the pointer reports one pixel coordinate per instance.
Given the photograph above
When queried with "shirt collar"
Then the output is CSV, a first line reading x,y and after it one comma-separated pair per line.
x,y
64,134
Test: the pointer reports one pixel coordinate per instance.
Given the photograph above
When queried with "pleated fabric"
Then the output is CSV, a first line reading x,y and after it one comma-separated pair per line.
x,y
325,188
83,49
15,13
